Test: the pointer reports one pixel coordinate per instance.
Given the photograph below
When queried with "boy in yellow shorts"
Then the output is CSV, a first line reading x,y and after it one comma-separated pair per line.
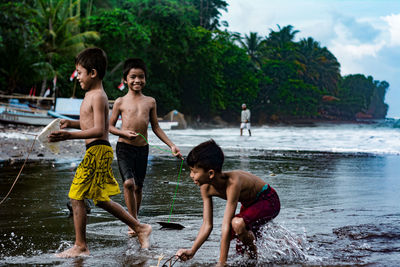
x,y
94,178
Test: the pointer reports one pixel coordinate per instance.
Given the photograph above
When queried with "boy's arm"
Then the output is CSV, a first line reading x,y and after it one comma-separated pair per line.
x,y
116,111
114,116
232,194
160,133
94,132
70,124
205,229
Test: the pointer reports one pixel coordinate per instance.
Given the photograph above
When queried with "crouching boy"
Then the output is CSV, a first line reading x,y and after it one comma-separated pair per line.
x,y
260,202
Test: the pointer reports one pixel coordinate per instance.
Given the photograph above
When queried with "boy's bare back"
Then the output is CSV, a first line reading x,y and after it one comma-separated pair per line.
x,y
248,184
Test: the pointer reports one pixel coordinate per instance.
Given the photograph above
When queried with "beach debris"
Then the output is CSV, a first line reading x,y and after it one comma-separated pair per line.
x,y
170,261
159,260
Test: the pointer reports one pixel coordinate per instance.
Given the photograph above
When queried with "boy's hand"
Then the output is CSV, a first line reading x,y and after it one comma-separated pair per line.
x,y
184,254
131,135
64,123
176,152
59,136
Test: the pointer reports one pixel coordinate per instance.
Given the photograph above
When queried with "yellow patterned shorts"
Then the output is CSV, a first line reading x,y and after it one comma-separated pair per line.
x,y
94,178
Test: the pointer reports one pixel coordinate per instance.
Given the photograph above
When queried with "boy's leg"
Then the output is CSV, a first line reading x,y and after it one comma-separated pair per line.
x,y
130,201
80,247
246,236
143,230
130,197
138,197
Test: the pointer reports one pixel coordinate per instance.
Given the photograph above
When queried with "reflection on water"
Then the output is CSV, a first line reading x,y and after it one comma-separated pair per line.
x,y
337,209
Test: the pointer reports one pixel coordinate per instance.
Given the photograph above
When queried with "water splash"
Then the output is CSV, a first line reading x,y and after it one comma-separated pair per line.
x,y
12,243
63,246
278,245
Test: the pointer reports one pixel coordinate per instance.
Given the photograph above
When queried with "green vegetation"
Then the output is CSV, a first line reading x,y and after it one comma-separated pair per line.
x,y
194,66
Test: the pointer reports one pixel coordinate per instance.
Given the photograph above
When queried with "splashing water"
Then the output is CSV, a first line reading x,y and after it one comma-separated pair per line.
x,y
278,245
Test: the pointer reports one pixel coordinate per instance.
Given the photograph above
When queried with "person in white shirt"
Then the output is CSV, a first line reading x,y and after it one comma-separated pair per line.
x,y
245,120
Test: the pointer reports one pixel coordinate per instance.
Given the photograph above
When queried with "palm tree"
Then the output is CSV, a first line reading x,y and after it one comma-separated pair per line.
x,y
318,65
252,44
209,12
60,31
21,60
279,44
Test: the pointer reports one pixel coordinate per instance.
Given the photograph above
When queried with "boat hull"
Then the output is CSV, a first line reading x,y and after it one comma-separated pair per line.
x,y
26,119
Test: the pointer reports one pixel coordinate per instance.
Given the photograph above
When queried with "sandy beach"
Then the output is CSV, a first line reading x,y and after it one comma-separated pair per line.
x,y
16,149
17,141
324,176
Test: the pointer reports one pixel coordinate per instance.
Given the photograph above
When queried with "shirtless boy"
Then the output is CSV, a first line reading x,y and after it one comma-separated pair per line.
x,y
136,111
260,202
94,178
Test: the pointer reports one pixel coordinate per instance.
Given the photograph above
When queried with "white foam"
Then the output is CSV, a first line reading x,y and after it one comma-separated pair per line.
x,y
330,138
351,138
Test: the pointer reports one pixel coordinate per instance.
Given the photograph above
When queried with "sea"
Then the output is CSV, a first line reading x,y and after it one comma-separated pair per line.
x,y
339,186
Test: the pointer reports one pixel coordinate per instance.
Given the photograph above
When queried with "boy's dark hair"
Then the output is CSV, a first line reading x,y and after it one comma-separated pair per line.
x,y
134,63
93,58
208,155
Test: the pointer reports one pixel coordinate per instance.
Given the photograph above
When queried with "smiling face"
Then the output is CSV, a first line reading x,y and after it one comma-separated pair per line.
x,y
84,78
136,79
200,176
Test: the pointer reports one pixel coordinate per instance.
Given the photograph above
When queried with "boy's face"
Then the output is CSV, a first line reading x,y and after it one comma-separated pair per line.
x,y
84,78
136,79
199,176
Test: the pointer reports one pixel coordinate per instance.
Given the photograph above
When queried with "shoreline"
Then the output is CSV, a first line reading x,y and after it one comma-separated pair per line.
x,y
15,149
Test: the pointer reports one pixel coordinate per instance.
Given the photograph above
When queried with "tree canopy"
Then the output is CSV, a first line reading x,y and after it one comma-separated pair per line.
x,y
193,65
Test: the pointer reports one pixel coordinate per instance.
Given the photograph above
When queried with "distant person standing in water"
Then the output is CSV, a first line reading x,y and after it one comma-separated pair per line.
x,y
245,120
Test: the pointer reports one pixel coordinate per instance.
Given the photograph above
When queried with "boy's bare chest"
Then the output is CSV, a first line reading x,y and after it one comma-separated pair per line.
x,y
136,110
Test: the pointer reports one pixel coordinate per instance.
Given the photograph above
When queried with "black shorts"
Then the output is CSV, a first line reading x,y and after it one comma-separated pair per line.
x,y
132,162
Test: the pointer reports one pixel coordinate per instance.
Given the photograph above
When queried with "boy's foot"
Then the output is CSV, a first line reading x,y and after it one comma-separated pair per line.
x,y
73,252
143,233
132,232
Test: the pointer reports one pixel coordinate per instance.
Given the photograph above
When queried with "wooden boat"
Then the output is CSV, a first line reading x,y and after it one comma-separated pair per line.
x,y
23,114
65,108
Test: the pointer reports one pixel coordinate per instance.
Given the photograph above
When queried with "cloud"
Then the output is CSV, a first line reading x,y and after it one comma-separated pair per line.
x,y
393,22
360,30
364,35
346,45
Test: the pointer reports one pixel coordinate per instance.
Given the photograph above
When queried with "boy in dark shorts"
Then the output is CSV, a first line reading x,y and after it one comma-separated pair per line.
x,y
260,202
94,178
136,111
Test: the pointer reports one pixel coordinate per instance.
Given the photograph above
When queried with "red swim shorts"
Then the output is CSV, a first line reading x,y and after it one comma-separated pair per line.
x,y
264,209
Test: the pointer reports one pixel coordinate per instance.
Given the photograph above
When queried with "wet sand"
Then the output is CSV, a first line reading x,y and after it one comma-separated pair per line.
x,y
338,209
18,143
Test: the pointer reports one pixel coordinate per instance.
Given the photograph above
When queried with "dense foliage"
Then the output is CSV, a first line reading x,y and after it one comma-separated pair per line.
x,y
194,67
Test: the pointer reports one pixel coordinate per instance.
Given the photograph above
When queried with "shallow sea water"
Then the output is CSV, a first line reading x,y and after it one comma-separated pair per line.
x,y
338,208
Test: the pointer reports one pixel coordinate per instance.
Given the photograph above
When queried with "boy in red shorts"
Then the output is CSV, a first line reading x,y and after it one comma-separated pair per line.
x,y
260,202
